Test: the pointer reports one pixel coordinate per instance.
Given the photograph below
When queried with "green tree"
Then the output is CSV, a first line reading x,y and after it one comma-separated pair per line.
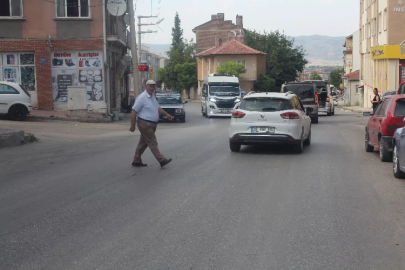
x,y
315,76
231,68
177,32
187,75
181,52
335,77
265,84
283,60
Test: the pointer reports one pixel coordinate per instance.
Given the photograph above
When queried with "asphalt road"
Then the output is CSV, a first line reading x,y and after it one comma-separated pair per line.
x,y
73,201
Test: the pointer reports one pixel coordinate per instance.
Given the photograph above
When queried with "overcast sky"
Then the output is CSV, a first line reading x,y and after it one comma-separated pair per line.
x,y
294,17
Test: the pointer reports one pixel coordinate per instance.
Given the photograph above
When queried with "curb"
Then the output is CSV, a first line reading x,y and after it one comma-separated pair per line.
x,y
82,120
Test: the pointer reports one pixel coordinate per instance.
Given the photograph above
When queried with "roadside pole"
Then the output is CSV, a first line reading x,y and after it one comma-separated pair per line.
x,y
135,72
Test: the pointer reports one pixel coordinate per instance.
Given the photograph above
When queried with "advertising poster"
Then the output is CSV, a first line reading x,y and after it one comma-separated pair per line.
x,y
61,79
10,59
93,80
90,59
63,60
10,74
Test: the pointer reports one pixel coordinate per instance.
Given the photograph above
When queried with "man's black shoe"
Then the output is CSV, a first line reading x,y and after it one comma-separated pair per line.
x,y
165,162
135,164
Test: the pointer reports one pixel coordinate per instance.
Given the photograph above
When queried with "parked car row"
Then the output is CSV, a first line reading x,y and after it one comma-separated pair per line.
x,y
385,131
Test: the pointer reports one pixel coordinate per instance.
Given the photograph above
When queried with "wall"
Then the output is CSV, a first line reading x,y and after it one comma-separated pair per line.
x,y
396,21
356,51
250,64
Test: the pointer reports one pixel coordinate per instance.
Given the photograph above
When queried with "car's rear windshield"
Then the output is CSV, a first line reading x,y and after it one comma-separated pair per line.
x,y
302,91
400,108
169,100
265,104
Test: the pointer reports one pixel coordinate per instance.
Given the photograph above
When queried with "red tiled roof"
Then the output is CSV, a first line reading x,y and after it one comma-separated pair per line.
x,y
230,47
353,76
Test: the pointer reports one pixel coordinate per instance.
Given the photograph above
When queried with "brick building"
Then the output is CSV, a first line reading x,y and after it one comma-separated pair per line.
x,y
218,31
67,45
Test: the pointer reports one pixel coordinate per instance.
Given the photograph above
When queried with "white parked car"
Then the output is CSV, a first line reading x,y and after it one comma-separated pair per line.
x,y
270,118
15,101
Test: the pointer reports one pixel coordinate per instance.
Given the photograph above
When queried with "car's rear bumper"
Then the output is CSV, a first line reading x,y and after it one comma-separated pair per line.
x,y
247,138
387,143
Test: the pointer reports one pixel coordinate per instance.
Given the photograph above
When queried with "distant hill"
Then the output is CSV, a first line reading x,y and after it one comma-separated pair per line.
x,y
159,48
321,50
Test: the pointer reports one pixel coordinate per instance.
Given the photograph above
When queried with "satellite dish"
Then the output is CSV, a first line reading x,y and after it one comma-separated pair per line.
x,y
117,7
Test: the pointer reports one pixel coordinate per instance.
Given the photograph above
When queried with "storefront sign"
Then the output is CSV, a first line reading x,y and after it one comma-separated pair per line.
x,y
64,60
399,9
143,67
387,52
81,68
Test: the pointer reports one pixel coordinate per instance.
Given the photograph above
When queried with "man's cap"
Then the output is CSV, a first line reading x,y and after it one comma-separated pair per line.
x,y
150,82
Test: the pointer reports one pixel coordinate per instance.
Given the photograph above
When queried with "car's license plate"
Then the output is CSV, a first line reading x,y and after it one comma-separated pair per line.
x,y
263,129
225,111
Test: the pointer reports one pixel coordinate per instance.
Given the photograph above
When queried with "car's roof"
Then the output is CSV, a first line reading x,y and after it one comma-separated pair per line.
x,y
167,93
271,94
9,83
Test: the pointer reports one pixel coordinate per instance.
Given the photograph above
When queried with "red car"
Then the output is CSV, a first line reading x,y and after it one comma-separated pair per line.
x,y
381,125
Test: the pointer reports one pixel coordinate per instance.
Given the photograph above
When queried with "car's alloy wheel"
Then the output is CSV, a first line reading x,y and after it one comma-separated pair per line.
x,y
369,148
384,154
18,113
396,166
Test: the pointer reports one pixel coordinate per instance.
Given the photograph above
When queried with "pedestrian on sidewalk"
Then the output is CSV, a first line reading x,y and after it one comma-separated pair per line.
x,y
376,99
145,113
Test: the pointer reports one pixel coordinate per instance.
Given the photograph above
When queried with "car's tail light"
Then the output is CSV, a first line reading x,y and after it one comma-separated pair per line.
x,y
290,115
25,91
327,99
316,98
238,114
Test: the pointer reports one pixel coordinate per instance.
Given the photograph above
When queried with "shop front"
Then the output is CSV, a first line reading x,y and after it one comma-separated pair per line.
x,y
78,68
389,67
19,67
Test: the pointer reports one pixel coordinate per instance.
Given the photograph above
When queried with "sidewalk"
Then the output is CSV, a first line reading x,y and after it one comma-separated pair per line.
x,y
356,109
37,114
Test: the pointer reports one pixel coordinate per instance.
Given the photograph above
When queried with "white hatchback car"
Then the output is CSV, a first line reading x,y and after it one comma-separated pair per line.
x,y
270,118
15,101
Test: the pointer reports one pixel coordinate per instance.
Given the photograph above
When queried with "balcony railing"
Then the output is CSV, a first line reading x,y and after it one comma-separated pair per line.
x,y
116,29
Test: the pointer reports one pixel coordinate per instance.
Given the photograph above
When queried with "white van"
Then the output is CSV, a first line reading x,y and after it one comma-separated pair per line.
x,y
221,95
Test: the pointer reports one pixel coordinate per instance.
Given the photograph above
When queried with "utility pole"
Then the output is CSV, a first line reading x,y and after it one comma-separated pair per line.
x,y
135,71
140,32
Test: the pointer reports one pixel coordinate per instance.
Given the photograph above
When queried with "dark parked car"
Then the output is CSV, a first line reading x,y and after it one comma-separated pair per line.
x,y
382,125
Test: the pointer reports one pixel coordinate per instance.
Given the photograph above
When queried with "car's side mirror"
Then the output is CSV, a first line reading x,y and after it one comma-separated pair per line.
x,y
367,114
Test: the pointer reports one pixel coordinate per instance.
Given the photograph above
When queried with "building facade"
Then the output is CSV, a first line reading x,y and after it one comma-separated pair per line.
x,y
254,61
67,45
353,92
382,61
218,31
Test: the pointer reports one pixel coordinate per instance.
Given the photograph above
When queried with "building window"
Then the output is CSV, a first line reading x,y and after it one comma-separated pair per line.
x,y
357,89
380,22
10,8
18,68
73,8
385,19
241,62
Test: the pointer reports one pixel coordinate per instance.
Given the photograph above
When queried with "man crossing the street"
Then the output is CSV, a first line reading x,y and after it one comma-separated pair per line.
x,y
145,113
